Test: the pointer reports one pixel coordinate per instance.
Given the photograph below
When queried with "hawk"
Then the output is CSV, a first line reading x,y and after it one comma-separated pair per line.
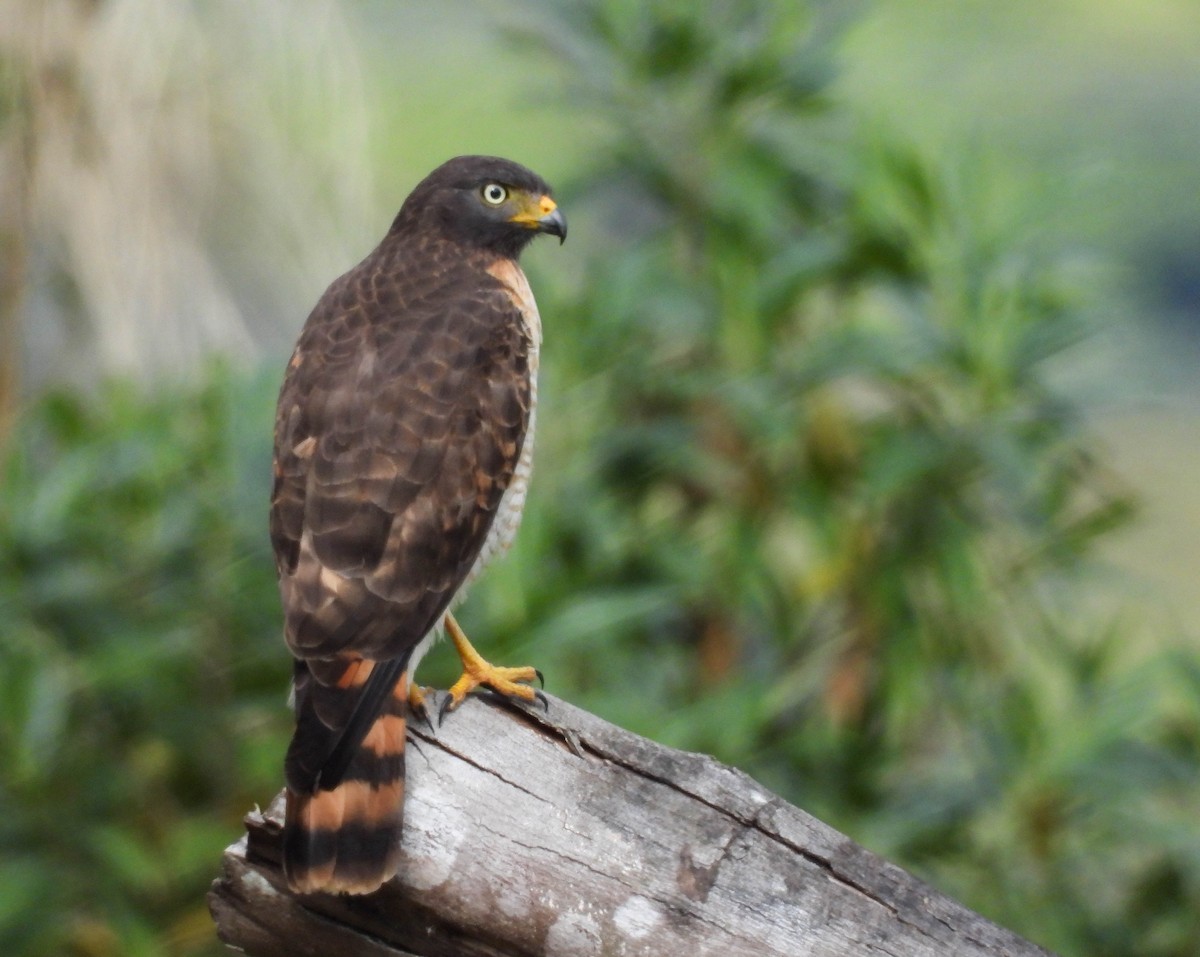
x,y
403,446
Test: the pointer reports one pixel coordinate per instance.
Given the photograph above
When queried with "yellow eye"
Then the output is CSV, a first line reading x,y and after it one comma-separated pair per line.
x,y
494,194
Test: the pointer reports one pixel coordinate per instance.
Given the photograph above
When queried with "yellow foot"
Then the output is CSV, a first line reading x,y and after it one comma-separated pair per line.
x,y
510,682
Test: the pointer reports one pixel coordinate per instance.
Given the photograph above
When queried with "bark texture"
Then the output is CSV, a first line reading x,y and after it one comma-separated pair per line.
x,y
565,836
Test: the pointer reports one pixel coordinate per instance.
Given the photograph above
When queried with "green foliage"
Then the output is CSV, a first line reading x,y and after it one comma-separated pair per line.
x,y
141,685
806,498
820,509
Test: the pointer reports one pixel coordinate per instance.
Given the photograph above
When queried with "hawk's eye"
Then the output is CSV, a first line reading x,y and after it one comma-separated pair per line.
x,y
494,194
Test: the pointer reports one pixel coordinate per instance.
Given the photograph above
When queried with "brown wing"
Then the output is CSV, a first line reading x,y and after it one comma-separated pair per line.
x,y
400,422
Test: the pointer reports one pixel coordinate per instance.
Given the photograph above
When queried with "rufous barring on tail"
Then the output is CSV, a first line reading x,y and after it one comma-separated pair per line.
x,y
403,446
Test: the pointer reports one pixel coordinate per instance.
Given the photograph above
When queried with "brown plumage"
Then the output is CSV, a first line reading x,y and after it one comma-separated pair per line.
x,y
404,418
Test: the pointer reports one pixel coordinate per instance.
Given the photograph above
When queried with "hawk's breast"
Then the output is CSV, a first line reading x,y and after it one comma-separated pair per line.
x,y
512,504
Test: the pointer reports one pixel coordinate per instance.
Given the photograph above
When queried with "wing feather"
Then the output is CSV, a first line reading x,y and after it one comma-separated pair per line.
x,y
397,433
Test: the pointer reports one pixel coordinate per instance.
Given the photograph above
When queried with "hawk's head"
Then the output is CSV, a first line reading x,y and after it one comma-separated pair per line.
x,y
485,202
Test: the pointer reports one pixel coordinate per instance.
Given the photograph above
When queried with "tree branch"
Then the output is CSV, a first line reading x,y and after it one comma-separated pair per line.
x,y
564,835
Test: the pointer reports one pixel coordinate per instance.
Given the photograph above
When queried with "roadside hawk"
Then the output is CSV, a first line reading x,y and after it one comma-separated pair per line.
x,y
403,446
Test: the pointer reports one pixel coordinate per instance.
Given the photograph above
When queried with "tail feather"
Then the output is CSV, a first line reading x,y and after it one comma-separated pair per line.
x,y
345,838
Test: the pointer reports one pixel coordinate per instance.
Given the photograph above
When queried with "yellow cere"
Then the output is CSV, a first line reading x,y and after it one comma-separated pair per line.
x,y
532,211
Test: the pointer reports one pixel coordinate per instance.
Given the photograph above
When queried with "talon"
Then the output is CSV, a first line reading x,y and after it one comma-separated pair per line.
x,y
416,704
510,682
540,677
542,700
444,707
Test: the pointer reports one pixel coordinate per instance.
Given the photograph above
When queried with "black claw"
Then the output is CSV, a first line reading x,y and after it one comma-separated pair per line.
x,y
541,678
420,713
542,700
443,708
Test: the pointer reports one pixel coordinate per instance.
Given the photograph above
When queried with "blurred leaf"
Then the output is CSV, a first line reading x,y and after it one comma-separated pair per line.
x,y
829,435
133,623
806,498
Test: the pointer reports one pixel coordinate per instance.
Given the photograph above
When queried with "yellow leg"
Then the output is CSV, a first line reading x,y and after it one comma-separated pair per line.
x,y
511,682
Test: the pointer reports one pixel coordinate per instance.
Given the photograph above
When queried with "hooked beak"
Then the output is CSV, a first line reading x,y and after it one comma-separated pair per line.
x,y
543,215
554,223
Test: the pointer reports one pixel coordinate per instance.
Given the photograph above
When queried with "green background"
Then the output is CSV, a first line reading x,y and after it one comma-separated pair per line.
x,y
866,453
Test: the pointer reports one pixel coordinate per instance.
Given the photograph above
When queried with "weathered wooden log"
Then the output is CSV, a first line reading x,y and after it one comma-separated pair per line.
x,y
561,834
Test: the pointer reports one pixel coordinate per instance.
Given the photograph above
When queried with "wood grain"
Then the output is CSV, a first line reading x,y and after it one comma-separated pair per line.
x,y
563,835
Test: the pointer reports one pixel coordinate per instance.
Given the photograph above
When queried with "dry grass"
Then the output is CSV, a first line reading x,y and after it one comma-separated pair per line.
x,y
160,145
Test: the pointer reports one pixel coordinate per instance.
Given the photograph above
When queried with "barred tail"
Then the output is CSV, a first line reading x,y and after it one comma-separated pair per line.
x,y
345,795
